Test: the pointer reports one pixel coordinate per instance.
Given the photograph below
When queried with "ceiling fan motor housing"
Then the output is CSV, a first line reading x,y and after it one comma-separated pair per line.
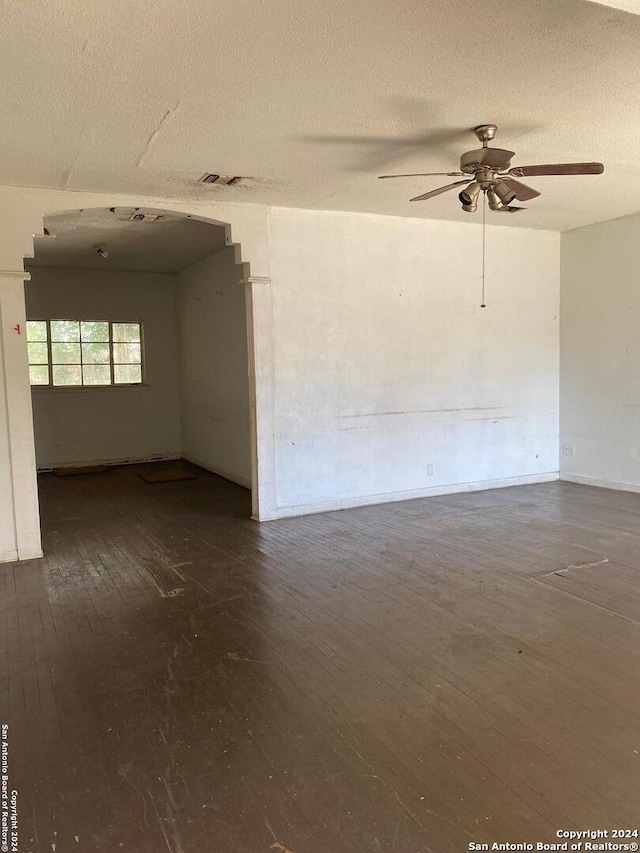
x,y
480,158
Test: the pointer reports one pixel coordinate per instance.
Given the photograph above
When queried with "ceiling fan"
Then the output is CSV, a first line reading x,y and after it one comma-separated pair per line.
x,y
490,172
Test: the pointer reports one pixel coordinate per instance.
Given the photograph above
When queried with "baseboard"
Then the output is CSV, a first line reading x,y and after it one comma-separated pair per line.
x,y
30,555
136,460
600,484
413,494
14,557
8,556
234,478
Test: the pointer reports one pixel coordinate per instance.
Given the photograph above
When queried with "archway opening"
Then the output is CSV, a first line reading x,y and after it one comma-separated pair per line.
x,y
137,336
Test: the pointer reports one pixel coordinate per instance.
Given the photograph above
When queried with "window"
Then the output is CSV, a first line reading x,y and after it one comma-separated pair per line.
x,y
84,352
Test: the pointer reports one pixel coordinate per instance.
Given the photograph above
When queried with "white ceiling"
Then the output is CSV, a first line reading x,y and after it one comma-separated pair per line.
x,y
312,101
166,245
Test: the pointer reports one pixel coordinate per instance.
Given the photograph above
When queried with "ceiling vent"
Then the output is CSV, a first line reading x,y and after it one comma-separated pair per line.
x,y
221,180
144,217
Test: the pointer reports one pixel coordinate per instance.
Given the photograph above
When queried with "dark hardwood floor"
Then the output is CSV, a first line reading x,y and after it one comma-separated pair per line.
x,y
406,678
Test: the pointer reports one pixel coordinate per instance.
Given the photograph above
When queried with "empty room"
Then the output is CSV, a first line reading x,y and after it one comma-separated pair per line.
x,y
319,417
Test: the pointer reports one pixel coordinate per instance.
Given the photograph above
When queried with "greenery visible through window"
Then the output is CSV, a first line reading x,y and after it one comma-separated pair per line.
x,y
84,352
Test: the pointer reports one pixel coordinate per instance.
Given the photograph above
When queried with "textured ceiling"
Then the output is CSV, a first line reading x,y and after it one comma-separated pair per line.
x,y
167,245
312,101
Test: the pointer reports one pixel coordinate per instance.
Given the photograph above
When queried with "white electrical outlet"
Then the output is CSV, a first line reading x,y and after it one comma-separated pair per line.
x,y
568,450
429,469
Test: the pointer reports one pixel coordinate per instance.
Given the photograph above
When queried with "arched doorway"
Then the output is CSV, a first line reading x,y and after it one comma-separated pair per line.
x,y
246,229
138,330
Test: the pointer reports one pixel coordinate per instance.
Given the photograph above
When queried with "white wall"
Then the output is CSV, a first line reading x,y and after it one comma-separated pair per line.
x,y
109,424
600,365
213,366
385,365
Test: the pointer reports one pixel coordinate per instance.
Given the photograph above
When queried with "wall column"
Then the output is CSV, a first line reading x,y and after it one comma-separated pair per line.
x,y
15,405
261,396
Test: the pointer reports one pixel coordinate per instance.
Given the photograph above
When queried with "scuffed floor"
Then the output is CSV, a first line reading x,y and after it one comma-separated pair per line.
x,y
404,678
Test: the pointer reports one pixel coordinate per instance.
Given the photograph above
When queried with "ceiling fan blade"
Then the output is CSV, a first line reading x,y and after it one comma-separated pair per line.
x,y
558,169
522,191
424,175
431,193
510,208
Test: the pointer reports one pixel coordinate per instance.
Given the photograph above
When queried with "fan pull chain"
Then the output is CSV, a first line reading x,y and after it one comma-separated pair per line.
x,y
484,231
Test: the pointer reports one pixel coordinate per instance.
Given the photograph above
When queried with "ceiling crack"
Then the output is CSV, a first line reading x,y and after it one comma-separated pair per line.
x,y
147,147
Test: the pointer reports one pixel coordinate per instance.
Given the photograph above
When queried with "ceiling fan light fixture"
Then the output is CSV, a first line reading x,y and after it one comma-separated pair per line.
x,y
469,197
504,192
495,202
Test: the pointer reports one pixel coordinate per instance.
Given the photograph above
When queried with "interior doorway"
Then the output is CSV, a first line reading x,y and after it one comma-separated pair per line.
x,y
137,336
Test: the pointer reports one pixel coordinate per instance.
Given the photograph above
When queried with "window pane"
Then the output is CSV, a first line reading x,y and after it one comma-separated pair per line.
x,y
126,353
67,374
36,330
94,332
38,353
127,374
65,330
39,374
126,332
95,353
65,353
96,374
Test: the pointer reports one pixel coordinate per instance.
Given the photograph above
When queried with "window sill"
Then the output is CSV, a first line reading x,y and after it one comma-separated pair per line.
x,y
101,389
